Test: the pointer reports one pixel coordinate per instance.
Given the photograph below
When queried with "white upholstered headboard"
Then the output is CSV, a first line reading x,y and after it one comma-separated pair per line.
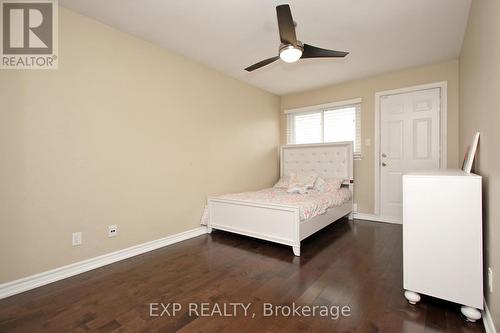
x,y
328,160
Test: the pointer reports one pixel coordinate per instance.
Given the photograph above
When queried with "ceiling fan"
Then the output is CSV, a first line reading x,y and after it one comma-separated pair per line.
x,y
292,49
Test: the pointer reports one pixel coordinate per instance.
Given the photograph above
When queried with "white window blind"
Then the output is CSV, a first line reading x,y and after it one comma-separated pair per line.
x,y
308,127
328,124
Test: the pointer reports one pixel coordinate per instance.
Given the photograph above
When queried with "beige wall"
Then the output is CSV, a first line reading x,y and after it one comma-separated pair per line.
x,y
122,133
479,111
366,89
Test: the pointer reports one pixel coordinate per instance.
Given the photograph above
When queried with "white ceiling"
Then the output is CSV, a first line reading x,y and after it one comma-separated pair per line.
x,y
229,35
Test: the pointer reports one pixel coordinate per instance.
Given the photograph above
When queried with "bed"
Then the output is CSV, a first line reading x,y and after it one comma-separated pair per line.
x,y
283,219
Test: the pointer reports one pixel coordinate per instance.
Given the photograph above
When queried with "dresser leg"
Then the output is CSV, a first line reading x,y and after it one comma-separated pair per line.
x,y
296,250
412,297
209,230
471,314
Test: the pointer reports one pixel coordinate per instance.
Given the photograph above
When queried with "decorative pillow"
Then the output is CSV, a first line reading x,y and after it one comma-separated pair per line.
x,y
319,185
332,184
305,180
297,190
284,181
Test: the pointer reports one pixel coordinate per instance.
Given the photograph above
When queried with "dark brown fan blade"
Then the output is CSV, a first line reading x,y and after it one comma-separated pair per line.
x,y
317,52
286,25
261,64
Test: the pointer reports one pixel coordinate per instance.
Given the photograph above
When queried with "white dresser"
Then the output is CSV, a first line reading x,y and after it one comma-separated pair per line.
x,y
442,238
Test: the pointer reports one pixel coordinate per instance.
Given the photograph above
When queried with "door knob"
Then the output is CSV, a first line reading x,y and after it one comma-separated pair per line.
x,y
384,155
384,164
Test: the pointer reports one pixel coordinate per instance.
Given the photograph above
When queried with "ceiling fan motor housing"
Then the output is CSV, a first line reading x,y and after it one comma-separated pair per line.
x,y
299,46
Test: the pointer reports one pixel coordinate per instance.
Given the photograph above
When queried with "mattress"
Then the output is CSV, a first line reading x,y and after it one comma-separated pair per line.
x,y
311,204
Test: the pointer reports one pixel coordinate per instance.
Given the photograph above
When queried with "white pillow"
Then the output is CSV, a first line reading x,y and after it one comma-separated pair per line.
x,y
319,185
305,180
284,181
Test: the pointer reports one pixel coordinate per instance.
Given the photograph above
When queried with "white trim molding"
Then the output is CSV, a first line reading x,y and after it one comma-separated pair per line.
x,y
325,106
41,279
377,218
489,326
442,136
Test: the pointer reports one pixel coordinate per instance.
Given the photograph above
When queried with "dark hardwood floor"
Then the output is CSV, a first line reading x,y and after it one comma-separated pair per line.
x,y
356,264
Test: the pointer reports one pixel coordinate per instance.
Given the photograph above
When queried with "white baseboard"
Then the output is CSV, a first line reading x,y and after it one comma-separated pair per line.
x,y
377,218
40,279
489,326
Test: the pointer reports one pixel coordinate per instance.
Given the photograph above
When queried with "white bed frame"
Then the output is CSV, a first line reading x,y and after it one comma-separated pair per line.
x,y
281,223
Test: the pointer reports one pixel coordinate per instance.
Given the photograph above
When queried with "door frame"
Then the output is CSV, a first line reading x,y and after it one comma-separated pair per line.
x,y
443,126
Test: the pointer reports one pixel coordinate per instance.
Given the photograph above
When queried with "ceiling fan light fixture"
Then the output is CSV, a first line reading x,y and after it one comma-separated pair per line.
x,y
290,53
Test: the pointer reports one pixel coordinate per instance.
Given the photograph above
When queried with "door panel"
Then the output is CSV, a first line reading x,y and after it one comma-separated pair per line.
x,y
409,141
395,191
422,138
395,144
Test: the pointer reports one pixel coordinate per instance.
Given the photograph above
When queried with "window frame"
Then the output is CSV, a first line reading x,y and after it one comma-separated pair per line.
x,y
291,113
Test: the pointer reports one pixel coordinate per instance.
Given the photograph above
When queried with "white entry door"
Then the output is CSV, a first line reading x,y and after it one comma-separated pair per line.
x,y
409,141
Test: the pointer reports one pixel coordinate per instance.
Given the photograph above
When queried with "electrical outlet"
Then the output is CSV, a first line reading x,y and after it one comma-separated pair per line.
x,y
490,279
112,230
76,238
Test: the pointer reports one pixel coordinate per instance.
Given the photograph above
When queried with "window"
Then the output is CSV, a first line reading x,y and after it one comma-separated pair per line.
x,y
334,122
